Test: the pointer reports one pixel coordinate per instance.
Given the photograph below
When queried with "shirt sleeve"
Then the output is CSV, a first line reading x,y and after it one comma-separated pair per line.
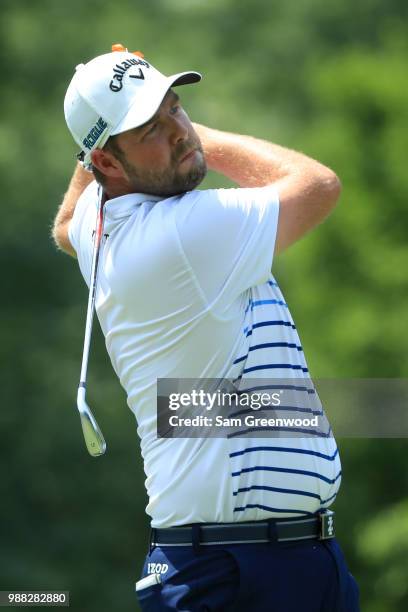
x,y
228,237
81,227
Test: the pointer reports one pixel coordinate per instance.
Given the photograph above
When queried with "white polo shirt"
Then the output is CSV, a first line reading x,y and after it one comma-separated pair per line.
x,y
185,291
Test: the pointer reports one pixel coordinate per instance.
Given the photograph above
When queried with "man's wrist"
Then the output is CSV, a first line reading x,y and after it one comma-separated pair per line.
x,y
213,143
81,177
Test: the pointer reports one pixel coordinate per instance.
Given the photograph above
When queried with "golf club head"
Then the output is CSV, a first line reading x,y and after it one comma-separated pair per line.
x,y
94,440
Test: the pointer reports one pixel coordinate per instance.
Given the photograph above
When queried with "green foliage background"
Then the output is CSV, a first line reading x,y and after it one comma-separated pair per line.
x,y
327,78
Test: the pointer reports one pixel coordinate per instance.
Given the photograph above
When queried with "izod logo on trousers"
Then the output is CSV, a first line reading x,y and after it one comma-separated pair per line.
x,y
157,568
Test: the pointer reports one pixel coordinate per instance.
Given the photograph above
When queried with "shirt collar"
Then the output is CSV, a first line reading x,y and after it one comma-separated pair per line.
x,y
124,206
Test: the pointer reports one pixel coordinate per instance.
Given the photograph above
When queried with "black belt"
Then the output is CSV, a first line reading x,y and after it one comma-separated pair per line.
x,y
320,527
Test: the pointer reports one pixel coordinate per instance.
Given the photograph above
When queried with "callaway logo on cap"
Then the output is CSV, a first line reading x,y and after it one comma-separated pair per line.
x,y
114,93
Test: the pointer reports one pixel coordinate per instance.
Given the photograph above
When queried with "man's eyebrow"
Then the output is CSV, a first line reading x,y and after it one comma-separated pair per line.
x,y
175,98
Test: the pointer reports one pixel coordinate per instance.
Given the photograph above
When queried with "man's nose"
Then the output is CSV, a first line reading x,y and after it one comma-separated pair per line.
x,y
178,129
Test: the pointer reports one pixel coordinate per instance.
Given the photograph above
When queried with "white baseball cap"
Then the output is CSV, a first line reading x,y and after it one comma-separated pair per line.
x,y
114,93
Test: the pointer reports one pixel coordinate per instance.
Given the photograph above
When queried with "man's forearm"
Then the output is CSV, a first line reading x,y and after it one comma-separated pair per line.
x,y
307,189
80,180
252,162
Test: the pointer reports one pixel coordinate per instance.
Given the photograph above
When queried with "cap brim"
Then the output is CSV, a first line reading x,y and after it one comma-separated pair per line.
x,y
185,78
143,110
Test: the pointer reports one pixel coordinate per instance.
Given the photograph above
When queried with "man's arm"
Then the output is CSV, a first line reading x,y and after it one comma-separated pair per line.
x,y
308,191
80,180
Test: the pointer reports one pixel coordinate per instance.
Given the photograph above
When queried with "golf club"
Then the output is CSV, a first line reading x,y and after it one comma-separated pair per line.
x,y
94,439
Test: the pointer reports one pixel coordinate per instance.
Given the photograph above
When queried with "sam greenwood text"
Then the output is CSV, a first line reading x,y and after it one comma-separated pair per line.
x,y
247,421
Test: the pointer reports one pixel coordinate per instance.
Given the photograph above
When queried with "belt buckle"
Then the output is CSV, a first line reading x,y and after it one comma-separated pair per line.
x,y
326,525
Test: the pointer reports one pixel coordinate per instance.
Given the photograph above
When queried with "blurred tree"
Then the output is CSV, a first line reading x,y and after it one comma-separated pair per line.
x,y
326,78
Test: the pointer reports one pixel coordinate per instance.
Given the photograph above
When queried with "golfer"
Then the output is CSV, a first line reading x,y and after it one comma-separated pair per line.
x,y
185,291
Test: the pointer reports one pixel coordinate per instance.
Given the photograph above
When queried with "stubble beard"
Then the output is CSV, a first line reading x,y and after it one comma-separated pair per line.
x,y
170,182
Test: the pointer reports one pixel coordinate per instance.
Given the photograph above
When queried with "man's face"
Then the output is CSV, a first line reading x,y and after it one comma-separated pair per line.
x,y
163,157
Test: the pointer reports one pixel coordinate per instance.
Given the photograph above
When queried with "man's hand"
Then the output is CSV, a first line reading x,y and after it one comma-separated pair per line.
x,y
80,180
308,191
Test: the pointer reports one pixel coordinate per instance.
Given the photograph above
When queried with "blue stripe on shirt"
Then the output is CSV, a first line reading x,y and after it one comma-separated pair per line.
x,y
324,501
254,303
285,449
286,471
308,432
270,509
289,387
275,366
292,345
277,490
266,324
288,491
276,410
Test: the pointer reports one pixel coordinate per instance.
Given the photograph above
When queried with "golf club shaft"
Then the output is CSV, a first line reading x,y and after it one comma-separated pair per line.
x,y
93,436
92,289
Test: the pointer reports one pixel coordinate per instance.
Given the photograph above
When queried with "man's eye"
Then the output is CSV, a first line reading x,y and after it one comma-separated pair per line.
x,y
175,109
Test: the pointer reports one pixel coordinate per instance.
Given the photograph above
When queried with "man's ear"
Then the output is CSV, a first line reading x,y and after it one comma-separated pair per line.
x,y
107,163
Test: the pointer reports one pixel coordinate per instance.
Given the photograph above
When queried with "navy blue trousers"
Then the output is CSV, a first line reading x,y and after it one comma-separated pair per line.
x,y
302,576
